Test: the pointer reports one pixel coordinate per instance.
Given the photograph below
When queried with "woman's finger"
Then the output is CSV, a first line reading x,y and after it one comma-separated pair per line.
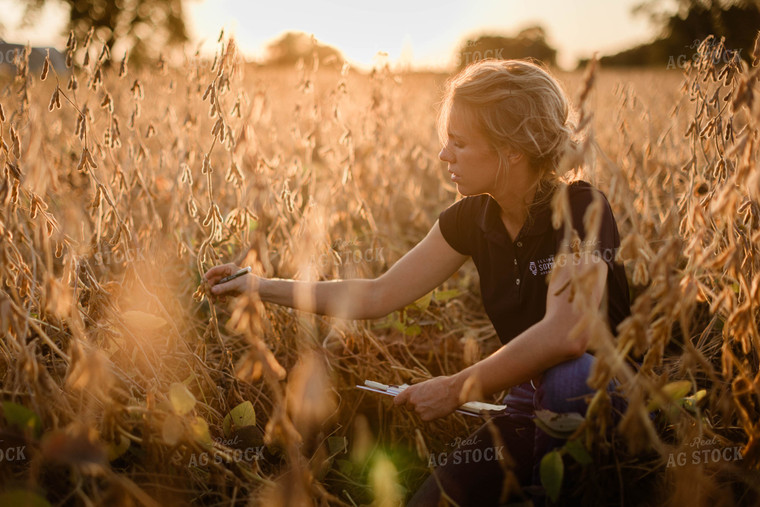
x,y
402,397
233,287
218,272
225,288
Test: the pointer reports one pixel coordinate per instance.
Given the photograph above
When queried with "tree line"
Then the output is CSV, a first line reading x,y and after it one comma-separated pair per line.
x,y
147,28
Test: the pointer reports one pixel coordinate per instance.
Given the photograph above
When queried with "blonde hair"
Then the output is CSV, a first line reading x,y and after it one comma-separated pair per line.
x,y
518,105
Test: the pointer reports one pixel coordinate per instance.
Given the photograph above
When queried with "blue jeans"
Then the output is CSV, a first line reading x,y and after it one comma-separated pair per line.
x,y
471,481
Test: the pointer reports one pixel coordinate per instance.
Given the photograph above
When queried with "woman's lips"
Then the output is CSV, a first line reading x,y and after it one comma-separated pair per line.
x,y
455,177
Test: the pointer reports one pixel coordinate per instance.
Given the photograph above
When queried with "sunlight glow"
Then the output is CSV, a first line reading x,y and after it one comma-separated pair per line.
x,y
425,33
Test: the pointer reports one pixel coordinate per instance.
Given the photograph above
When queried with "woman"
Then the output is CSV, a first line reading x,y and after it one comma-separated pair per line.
x,y
504,129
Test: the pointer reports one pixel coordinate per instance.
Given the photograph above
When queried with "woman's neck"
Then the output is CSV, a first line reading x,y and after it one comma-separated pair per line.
x,y
513,219
515,199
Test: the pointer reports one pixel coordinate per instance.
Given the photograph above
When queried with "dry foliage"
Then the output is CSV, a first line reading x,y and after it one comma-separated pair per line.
x,y
125,386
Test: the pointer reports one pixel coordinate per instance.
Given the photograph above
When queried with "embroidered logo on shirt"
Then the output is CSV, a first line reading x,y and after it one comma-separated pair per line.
x,y
542,266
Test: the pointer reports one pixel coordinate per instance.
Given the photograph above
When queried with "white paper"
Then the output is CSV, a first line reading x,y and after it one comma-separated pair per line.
x,y
472,408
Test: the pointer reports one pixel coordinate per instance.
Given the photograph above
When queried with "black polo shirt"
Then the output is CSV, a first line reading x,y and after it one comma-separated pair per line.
x,y
513,274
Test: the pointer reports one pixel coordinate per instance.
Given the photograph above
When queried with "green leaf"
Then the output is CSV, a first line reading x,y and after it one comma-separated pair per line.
x,y
444,295
690,402
677,390
116,449
23,497
173,429
181,398
578,451
391,321
398,325
227,426
21,417
558,425
383,478
673,392
413,330
381,324
239,417
199,431
424,302
552,469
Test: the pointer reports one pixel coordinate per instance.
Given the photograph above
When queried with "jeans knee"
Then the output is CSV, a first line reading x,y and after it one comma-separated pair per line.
x,y
563,387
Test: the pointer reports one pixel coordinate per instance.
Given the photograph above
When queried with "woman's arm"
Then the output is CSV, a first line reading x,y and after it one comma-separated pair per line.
x,y
418,272
535,350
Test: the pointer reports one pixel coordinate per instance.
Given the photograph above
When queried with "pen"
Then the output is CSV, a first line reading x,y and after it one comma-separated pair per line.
x,y
239,273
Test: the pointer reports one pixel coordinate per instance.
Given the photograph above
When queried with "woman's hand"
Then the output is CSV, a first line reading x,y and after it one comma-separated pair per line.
x,y
431,399
243,284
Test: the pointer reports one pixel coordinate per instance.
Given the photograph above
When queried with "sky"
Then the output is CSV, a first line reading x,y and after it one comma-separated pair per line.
x,y
416,32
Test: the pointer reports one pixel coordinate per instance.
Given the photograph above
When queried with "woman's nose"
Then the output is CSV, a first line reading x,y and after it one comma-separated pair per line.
x,y
445,155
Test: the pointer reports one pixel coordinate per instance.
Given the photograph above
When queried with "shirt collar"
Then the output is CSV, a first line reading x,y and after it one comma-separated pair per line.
x,y
537,223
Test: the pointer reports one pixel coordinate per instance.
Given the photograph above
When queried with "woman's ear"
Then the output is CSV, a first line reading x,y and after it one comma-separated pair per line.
x,y
511,155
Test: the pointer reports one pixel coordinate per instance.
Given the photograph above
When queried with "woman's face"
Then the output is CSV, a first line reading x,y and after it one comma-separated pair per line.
x,y
473,163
